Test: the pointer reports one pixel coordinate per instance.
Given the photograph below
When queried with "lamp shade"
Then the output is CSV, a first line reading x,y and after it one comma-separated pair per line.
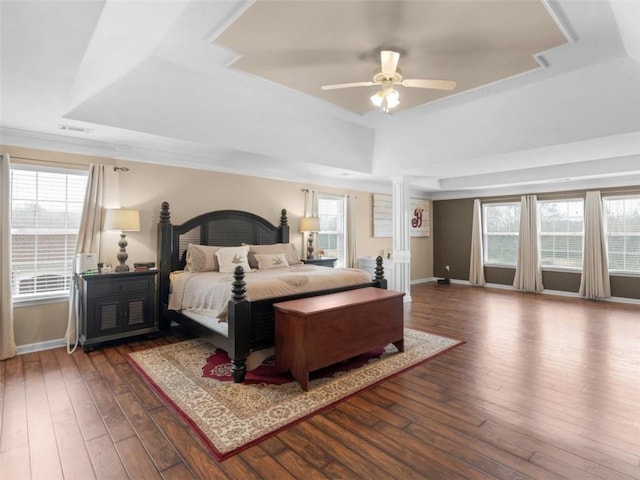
x,y
122,219
309,224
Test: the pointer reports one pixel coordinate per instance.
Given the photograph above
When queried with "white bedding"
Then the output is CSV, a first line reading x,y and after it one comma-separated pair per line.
x,y
208,293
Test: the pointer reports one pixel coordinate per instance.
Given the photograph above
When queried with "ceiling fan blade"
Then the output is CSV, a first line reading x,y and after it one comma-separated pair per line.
x,y
347,85
389,61
423,83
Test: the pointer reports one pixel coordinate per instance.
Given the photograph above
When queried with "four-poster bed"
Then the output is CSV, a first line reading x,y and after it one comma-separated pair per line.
x,y
249,322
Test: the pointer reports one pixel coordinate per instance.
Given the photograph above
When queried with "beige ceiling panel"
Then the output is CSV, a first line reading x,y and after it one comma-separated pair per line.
x,y
306,44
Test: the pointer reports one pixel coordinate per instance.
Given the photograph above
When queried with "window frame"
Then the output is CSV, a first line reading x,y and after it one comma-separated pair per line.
x,y
485,233
605,198
341,240
560,268
47,296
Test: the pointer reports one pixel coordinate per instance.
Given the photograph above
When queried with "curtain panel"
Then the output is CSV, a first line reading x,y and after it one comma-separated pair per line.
x,y
594,282
476,264
88,242
7,338
351,260
528,276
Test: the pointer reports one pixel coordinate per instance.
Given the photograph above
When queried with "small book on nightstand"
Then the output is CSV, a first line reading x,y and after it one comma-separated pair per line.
x,y
143,266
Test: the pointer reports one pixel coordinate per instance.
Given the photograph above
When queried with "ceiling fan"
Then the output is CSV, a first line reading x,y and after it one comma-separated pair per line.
x,y
389,76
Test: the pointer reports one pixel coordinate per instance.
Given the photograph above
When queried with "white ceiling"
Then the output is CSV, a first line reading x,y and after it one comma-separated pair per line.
x,y
151,82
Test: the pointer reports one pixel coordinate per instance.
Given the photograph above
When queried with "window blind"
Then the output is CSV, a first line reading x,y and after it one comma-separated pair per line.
x,y
46,207
622,216
561,232
500,226
331,238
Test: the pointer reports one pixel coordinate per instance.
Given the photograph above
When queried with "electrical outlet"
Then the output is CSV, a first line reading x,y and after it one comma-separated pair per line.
x,y
446,267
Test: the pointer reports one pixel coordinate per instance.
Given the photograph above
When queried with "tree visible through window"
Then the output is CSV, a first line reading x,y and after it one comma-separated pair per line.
x,y
46,207
331,238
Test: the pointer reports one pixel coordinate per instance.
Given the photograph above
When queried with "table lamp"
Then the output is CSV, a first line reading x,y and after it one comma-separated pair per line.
x,y
124,220
311,225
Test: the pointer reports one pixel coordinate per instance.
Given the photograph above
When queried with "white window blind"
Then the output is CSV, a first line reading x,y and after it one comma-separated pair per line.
x,y
561,232
622,225
500,227
46,207
331,238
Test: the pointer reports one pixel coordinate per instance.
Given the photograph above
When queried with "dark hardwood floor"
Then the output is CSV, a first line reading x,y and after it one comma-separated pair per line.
x,y
546,387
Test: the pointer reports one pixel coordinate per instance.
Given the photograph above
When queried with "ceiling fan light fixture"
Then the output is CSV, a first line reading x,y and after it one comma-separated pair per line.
x,y
386,98
378,98
393,98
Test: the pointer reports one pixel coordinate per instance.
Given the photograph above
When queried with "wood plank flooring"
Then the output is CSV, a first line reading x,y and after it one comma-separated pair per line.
x,y
545,387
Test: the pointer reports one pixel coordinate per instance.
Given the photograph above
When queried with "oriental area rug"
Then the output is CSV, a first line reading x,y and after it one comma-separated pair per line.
x,y
194,379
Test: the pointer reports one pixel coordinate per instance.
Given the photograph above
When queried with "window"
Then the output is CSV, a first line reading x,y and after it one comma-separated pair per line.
x,y
46,206
622,223
331,238
561,232
500,227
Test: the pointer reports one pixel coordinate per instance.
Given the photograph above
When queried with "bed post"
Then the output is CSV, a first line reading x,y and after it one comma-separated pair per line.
x,y
239,321
284,226
165,230
382,282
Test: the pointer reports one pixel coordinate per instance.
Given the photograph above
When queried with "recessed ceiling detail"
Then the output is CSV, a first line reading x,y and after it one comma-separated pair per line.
x,y
304,45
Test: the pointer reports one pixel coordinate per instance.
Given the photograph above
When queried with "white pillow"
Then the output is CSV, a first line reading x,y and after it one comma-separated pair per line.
x,y
231,257
269,261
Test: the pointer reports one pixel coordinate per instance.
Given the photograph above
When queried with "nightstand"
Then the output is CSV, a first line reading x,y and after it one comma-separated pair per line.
x,y
116,305
323,262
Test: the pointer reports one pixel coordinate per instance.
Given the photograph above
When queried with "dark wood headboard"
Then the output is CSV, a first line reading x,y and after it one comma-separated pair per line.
x,y
225,228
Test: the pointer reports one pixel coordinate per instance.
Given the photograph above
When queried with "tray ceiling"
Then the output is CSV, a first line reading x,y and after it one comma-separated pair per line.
x,y
303,45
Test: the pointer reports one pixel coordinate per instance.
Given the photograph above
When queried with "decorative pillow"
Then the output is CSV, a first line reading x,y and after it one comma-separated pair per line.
x,y
291,253
201,258
288,249
231,257
269,261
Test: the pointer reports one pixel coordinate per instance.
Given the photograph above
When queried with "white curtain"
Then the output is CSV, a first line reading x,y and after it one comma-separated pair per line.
x,y
314,203
476,265
594,282
7,340
88,241
351,260
528,275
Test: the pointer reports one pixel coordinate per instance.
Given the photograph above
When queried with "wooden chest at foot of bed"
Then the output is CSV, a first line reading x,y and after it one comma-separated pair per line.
x,y
314,332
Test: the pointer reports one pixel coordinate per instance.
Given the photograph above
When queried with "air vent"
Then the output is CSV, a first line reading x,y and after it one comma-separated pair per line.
x,y
74,128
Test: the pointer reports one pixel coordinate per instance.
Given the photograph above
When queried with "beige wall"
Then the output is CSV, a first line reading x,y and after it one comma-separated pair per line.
x,y
189,193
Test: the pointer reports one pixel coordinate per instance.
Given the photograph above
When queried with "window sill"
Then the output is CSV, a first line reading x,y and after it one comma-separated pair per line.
x,y
550,268
30,302
618,273
577,271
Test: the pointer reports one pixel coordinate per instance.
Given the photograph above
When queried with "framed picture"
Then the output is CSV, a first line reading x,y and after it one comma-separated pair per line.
x,y
419,216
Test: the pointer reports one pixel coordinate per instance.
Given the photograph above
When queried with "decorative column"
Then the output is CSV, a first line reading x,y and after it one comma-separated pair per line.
x,y
401,239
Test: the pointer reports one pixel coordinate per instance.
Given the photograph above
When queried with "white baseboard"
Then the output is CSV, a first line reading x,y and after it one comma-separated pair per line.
x,y
423,280
39,346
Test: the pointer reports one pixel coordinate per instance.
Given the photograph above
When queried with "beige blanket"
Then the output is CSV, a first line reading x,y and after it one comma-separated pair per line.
x,y
208,293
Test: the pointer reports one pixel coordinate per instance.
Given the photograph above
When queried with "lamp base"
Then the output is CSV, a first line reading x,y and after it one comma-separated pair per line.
x,y
122,254
310,246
